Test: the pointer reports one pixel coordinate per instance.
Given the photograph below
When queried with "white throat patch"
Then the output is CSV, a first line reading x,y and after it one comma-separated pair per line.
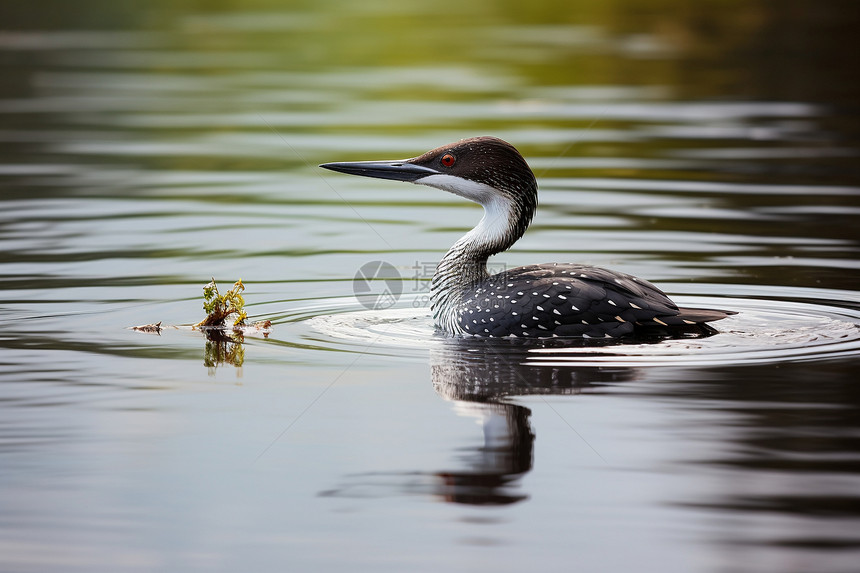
x,y
477,192
495,224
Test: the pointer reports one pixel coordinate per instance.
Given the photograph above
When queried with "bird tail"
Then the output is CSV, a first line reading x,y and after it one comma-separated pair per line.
x,y
689,322
702,315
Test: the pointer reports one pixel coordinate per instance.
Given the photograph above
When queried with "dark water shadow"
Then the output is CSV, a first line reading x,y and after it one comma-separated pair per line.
x,y
788,438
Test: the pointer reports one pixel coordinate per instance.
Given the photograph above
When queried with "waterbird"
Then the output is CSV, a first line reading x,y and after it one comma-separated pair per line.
x,y
534,301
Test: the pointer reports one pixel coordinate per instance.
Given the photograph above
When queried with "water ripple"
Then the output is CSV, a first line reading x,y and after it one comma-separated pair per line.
x,y
773,324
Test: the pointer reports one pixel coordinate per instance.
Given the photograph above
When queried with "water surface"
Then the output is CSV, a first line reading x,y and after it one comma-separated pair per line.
x,y
712,150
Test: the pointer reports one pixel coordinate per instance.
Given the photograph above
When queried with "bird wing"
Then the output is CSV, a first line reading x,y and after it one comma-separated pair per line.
x,y
566,300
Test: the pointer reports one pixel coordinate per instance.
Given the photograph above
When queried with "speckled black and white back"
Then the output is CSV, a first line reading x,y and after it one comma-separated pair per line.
x,y
565,300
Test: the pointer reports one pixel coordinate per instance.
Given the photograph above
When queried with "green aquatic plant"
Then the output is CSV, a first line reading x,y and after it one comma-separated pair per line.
x,y
219,306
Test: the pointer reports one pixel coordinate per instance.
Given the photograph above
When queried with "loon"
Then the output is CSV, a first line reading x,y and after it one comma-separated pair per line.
x,y
534,301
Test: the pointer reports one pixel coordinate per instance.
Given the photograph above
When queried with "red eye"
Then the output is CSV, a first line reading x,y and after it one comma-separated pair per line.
x,y
448,160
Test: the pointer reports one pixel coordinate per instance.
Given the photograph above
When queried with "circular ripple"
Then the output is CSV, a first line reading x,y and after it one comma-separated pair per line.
x,y
773,324
394,328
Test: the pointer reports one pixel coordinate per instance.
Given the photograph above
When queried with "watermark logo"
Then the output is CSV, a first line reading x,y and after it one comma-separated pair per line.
x,y
377,285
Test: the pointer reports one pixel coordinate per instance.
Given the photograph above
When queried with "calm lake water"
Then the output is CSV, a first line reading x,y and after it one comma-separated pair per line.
x,y
710,147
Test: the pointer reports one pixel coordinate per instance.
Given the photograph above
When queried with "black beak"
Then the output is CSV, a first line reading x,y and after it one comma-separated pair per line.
x,y
397,170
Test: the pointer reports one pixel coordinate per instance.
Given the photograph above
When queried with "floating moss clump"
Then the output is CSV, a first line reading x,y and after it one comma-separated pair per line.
x,y
219,306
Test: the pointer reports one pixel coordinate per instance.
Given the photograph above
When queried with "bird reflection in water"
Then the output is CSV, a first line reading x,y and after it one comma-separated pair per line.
x,y
480,377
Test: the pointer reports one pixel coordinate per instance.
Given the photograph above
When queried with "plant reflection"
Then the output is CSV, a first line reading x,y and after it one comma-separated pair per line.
x,y
223,347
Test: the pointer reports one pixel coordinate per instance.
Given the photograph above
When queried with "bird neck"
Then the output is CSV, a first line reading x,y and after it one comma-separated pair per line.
x,y
465,264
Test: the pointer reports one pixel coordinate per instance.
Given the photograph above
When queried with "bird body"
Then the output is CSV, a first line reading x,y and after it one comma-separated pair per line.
x,y
535,301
